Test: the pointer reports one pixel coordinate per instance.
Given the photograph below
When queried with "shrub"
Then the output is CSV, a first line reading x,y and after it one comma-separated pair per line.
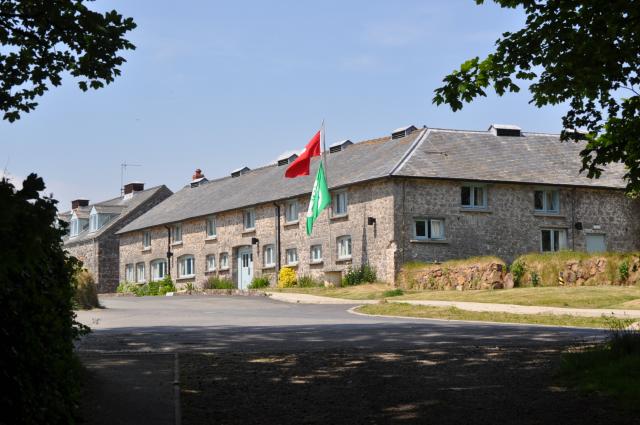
x,y
85,294
622,340
393,293
518,269
153,288
287,277
40,372
189,287
216,282
308,282
260,282
363,274
535,279
166,285
623,269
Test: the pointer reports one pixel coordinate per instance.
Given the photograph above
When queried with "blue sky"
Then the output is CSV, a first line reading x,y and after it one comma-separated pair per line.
x,y
219,85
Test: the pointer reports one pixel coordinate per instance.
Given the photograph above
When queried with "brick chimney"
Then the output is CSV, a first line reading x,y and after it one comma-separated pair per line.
x,y
133,187
79,203
197,175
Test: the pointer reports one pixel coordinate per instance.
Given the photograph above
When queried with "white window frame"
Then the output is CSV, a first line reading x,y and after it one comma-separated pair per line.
x,y
428,228
156,266
249,219
315,254
343,244
140,273
291,212
211,262
269,255
562,239
146,239
473,195
74,225
340,204
129,273
182,262
176,233
555,193
211,229
94,221
224,261
291,255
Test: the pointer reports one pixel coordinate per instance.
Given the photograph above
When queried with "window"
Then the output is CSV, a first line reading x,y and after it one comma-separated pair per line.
x,y
211,263
74,227
186,266
292,256
429,229
140,272
269,256
553,240
344,247
93,221
473,196
158,269
547,201
340,204
224,261
211,227
291,212
146,239
316,253
176,233
249,219
129,274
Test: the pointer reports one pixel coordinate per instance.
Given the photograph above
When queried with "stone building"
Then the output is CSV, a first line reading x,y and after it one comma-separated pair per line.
x,y
416,195
92,229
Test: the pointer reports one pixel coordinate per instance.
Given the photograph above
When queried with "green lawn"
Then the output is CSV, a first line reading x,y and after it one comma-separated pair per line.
x,y
624,297
452,313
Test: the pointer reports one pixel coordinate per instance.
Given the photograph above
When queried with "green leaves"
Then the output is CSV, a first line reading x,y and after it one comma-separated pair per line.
x,y
588,54
43,39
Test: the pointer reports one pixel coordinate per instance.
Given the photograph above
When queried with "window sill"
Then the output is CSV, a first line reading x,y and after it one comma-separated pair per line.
x,y
248,231
147,249
176,243
548,214
430,241
476,210
224,269
191,276
210,238
339,217
291,223
344,260
316,262
210,271
291,265
269,266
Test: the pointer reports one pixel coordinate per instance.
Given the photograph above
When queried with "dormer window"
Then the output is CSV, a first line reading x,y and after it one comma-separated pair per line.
x,y
74,227
93,221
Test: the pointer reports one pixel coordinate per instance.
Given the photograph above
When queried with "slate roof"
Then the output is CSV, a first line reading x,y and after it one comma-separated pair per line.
x,y
477,155
118,207
426,153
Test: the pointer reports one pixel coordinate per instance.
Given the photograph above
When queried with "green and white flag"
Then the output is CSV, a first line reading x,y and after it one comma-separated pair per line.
x,y
320,198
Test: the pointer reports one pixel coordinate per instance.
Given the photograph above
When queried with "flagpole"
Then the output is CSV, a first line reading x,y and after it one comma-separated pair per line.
x,y
326,176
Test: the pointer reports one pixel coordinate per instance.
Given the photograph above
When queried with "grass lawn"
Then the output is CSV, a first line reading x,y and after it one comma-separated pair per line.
x,y
452,313
624,297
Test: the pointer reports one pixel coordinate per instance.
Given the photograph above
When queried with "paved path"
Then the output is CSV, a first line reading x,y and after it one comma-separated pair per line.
x,y
506,308
130,353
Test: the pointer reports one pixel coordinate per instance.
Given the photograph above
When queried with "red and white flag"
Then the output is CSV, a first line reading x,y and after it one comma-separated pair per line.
x,y
300,167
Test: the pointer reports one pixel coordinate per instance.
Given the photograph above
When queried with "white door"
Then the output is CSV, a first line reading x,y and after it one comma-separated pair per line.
x,y
595,243
245,267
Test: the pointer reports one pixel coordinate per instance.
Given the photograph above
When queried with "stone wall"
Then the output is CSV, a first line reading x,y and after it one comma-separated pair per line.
x,y
372,243
87,252
509,226
482,273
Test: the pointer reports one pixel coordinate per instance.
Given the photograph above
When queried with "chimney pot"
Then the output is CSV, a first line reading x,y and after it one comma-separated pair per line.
x,y
197,175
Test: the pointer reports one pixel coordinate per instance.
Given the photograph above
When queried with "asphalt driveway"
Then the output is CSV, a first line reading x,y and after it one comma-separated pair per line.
x,y
256,360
